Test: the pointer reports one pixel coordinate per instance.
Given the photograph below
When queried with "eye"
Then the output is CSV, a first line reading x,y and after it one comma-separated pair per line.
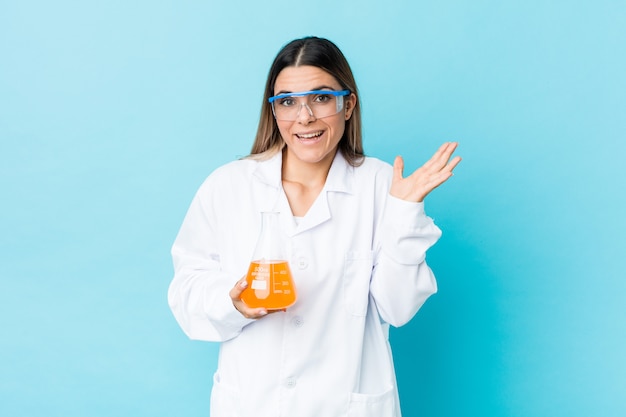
x,y
323,98
287,101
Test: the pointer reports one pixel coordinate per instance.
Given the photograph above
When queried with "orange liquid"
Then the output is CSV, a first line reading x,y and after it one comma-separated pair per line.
x,y
270,285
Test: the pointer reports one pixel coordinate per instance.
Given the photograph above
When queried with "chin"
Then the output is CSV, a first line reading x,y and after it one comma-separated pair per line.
x,y
312,157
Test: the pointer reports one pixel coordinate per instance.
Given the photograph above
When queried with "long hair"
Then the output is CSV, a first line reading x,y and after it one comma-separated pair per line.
x,y
323,54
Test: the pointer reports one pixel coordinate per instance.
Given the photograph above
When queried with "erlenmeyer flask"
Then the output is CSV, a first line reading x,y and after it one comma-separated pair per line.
x,y
270,284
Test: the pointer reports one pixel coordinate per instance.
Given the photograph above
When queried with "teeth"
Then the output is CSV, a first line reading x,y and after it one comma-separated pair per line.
x,y
310,135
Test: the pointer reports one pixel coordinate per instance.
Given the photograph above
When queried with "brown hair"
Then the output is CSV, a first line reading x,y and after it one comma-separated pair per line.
x,y
324,54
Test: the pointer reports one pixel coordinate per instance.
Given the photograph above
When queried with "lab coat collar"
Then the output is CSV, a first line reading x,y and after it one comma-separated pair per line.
x,y
340,179
269,172
340,176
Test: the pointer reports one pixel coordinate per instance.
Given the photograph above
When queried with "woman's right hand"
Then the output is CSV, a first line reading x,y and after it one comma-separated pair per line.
x,y
247,312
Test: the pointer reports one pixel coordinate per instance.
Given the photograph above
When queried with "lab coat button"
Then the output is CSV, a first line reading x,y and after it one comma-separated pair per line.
x,y
290,382
297,321
302,263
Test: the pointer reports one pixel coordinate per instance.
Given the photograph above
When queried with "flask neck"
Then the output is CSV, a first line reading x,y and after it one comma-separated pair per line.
x,y
269,220
269,246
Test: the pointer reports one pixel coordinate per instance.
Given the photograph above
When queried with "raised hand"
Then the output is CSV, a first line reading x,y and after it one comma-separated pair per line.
x,y
429,176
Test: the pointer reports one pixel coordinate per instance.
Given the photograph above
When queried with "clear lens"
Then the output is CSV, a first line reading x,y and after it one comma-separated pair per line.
x,y
318,104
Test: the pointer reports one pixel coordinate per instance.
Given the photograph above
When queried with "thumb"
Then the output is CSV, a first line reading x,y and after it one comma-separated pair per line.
x,y
235,292
398,168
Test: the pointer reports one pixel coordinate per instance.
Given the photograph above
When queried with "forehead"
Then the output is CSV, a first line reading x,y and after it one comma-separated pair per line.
x,y
303,78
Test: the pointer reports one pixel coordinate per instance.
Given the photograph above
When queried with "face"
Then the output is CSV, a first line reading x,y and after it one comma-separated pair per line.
x,y
310,140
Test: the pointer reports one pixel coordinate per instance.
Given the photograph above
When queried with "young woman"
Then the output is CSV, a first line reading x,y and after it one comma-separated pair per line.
x,y
356,236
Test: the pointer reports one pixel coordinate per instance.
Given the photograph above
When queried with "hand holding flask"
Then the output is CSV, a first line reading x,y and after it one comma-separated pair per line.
x,y
270,283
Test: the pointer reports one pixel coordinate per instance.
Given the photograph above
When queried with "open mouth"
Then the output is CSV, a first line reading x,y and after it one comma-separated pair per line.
x,y
312,135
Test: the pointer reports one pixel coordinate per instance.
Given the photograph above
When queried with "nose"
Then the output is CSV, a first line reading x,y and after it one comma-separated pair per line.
x,y
305,116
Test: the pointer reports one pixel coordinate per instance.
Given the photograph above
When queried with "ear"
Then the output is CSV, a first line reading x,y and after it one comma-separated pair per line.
x,y
350,104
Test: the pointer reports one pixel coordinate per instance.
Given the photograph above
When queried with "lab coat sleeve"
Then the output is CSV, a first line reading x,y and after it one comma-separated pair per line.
x,y
199,292
401,280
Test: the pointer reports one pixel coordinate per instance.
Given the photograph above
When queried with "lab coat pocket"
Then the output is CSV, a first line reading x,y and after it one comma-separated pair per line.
x,y
376,405
223,399
356,281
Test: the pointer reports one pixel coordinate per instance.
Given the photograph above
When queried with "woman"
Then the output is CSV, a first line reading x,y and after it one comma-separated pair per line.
x,y
357,238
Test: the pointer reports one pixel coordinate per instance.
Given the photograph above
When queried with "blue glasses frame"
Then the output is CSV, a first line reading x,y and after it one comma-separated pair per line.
x,y
307,93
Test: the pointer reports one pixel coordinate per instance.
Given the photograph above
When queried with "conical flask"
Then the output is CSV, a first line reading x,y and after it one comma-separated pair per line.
x,y
270,284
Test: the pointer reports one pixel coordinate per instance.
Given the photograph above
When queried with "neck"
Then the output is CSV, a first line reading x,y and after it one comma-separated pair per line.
x,y
307,174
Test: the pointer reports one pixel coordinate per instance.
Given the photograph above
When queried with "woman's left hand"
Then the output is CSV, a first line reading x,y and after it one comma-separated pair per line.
x,y
429,176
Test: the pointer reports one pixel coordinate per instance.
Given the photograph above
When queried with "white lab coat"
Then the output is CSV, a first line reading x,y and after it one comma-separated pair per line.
x,y
358,263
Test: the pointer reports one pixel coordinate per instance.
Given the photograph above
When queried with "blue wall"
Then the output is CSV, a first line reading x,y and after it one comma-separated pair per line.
x,y
112,113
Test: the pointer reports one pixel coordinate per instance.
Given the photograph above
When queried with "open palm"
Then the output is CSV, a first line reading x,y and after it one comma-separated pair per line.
x,y
429,176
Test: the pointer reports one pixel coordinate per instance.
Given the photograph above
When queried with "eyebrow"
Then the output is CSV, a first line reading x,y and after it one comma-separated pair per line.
x,y
322,87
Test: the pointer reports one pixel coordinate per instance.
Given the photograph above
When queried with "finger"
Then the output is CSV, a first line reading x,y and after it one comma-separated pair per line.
x,y
455,161
440,158
398,168
442,176
449,166
430,164
247,312
250,313
445,173
280,310
240,286
449,150
444,153
435,181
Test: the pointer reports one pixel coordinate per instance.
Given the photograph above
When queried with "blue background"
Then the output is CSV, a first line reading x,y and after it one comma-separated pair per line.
x,y
112,113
